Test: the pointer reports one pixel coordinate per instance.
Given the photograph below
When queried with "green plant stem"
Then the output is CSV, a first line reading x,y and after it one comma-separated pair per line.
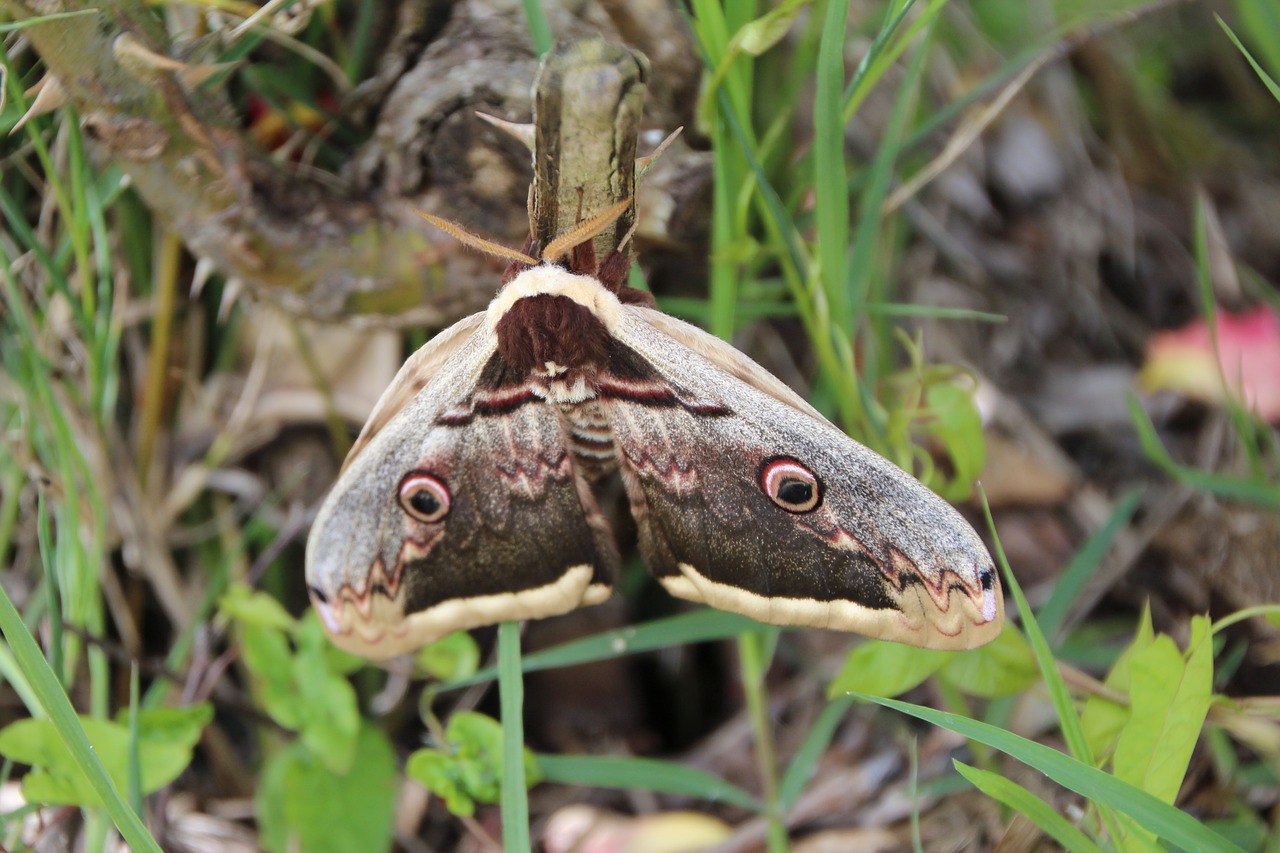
x,y
166,283
752,659
539,28
515,801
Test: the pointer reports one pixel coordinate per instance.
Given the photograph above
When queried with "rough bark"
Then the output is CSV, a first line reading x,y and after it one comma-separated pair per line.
x,y
344,246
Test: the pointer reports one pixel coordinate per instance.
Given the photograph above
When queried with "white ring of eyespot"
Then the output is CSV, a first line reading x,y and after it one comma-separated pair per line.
x,y
775,475
413,485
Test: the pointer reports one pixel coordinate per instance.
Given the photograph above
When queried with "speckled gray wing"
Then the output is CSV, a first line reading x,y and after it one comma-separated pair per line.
x,y
749,501
462,508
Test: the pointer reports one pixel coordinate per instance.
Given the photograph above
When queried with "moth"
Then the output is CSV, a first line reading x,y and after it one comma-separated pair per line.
x,y
467,499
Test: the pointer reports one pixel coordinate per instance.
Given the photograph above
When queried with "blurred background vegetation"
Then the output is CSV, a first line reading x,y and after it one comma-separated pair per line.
x,y
1026,242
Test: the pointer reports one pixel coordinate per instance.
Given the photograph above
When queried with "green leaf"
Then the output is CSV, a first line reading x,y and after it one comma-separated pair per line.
x,y
328,710
958,425
643,774
437,773
1169,697
1002,667
766,31
468,768
181,726
450,658
252,607
166,739
1149,812
1011,794
883,668
303,805
305,690
1103,718
266,653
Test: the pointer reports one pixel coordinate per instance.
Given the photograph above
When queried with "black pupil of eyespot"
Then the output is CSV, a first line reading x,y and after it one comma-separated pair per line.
x,y
795,492
425,502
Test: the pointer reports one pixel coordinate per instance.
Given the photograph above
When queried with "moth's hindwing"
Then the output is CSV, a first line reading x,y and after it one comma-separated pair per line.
x,y
752,503
455,511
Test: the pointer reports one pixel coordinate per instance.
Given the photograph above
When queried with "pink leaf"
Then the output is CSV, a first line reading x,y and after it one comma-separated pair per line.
x,y
1247,364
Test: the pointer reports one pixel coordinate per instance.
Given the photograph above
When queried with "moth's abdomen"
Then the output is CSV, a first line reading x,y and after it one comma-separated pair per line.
x,y
590,438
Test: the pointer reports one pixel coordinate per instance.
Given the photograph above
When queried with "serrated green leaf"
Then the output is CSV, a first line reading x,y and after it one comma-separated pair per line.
x,y
303,805
1169,698
1002,667
1036,810
883,668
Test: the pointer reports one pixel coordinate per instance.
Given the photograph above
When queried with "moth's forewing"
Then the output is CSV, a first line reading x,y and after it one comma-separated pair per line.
x,y
877,552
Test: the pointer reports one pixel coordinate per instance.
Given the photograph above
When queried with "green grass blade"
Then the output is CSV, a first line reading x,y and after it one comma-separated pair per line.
x,y
859,81
865,262
699,626
1271,84
52,588
10,26
806,757
539,29
1011,794
1058,693
1068,719
515,793
1164,820
135,748
12,674
58,707
1259,492
831,201
645,774
1051,616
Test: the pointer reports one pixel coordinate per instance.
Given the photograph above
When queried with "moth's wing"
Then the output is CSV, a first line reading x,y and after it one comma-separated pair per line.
x,y
522,536
880,554
413,376
729,359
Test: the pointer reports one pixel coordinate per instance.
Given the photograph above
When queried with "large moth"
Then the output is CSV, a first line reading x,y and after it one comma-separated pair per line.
x,y
468,499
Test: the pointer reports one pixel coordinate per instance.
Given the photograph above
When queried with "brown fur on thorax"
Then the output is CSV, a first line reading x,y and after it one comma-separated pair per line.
x,y
543,328
549,328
